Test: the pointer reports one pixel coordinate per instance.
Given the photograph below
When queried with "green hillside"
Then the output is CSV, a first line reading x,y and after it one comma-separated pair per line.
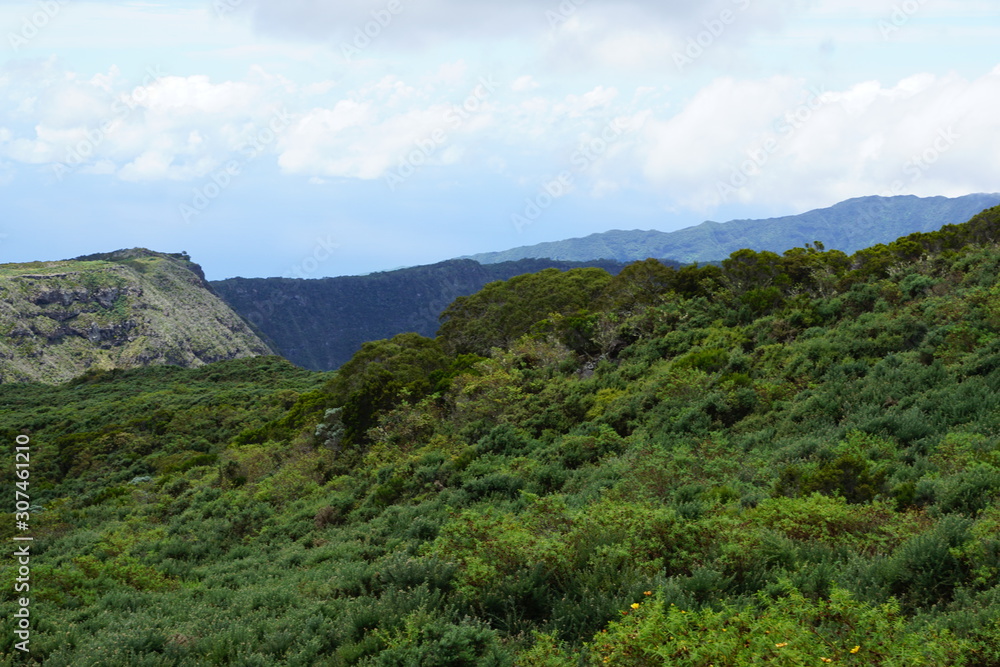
x,y
848,226
783,460
124,309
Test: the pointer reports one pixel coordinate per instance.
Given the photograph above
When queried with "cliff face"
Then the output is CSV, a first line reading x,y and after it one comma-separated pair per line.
x,y
118,310
320,323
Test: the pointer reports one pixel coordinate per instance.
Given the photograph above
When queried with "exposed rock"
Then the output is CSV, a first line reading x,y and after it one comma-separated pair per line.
x,y
123,309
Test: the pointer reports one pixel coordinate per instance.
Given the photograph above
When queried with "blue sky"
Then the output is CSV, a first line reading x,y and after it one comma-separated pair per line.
x,y
307,138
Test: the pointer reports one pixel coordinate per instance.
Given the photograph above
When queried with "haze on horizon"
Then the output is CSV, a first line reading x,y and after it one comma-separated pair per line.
x,y
257,135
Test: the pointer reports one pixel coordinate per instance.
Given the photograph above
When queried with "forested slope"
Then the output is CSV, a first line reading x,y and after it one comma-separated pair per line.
x,y
789,459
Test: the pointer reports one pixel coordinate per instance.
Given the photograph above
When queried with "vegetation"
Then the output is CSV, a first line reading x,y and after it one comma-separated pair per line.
x,y
786,459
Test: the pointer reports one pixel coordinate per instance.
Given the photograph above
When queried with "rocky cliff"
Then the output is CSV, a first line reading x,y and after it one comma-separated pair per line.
x,y
116,310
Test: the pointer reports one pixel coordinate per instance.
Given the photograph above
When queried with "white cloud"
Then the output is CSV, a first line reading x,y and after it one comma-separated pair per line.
x,y
580,33
196,95
724,118
353,140
598,98
150,165
924,135
523,84
859,139
170,127
382,124
854,141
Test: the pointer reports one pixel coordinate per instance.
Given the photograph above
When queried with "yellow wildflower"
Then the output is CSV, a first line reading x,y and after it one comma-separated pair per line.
x,y
635,605
855,649
782,645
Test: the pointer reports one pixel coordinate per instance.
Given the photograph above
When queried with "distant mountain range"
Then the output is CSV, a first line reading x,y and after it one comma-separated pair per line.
x,y
320,323
849,226
122,309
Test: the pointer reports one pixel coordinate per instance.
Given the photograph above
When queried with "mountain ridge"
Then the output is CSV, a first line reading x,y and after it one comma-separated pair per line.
x,y
320,323
713,241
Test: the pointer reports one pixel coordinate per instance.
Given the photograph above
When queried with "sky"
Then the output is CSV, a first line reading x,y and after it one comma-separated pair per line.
x,y
309,138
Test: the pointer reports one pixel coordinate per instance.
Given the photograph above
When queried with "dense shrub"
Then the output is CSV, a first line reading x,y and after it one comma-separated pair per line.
x,y
786,459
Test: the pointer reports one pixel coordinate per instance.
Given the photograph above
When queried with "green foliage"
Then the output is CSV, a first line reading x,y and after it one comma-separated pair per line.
x,y
789,459
430,642
382,374
789,630
502,312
